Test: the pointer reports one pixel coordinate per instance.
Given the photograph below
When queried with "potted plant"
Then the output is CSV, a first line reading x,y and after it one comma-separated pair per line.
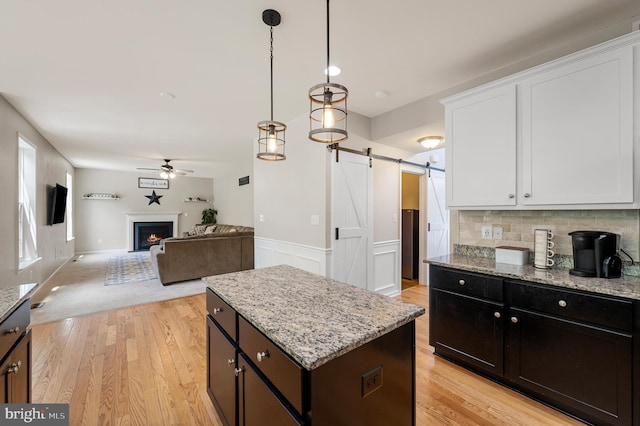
x,y
209,215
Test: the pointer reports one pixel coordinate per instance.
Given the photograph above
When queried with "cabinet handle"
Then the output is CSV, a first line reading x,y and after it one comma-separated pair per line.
x,y
216,310
231,361
262,355
514,319
562,303
461,282
512,195
13,330
527,195
14,367
497,314
237,371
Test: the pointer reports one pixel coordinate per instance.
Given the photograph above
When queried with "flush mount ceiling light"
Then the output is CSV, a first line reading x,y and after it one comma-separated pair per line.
x,y
430,142
271,133
328,109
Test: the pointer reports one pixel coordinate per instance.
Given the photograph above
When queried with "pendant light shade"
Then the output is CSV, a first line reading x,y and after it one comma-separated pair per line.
x,y
271,134
328,107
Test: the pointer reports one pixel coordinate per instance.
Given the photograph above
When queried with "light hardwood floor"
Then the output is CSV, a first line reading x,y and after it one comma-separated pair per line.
x,y
146,365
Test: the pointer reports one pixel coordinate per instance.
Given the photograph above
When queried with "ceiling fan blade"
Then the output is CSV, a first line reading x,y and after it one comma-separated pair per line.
x,y
146,168
182,171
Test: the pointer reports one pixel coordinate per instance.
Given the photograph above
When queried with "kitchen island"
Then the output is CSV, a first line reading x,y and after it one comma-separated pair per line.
x,y
301,349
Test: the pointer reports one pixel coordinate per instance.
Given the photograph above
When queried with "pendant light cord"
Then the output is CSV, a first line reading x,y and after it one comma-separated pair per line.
x,y
327,41
271,57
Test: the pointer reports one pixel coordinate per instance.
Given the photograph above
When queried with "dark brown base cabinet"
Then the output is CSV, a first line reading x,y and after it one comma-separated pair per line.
x,y
572,350
15,357
273,389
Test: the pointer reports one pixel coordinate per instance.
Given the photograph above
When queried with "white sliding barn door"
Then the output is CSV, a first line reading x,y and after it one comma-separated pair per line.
x,y
437,216
352,219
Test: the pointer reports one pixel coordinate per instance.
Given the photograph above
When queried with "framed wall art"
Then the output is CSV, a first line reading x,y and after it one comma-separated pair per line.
x,y
153,183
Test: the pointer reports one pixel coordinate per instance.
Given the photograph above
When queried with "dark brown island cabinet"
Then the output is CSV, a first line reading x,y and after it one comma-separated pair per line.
x,y
15,356
253,381
570,349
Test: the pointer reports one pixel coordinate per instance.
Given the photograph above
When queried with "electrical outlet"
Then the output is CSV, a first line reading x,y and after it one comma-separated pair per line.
x,y
497,232
486,232
371,381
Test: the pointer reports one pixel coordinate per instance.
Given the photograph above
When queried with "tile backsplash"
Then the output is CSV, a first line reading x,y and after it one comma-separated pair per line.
x,y
518,227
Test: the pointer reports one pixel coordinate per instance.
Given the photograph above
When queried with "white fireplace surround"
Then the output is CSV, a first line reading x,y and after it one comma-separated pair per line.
x,y
149,217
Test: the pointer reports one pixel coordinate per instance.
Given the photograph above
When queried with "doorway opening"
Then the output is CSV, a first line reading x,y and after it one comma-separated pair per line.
x,y
410,230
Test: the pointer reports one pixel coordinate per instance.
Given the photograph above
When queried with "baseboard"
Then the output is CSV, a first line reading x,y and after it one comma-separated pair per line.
x,y
34,298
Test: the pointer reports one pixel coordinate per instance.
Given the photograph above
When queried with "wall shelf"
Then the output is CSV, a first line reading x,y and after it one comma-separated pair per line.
x,y
196,200
100,196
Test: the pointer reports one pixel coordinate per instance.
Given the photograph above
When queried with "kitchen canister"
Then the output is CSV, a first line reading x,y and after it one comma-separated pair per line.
x,y
543,249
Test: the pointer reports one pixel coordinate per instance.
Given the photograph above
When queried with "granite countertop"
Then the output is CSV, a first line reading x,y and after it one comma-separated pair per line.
x,y
11,297
312,318
626,286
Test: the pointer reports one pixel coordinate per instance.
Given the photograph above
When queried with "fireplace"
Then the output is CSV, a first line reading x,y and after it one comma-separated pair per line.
x,y
147,234
151,219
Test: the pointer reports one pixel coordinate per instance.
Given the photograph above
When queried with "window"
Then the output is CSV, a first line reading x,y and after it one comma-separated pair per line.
x,y
69,207
27,225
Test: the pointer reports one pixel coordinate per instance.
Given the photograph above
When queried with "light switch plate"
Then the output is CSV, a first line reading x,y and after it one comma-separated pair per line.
x,y
497,232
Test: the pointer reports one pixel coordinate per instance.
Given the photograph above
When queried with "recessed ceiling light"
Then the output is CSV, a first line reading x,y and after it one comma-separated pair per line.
x,y
381,94
333,71
168,95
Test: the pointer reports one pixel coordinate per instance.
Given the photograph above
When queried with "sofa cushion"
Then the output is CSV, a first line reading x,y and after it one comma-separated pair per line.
x,y
210,229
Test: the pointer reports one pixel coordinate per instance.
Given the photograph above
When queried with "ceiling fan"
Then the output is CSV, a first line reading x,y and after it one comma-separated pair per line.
x,y
167,170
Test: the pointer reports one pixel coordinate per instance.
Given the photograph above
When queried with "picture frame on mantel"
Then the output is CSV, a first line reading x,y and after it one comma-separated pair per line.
x,y
153,183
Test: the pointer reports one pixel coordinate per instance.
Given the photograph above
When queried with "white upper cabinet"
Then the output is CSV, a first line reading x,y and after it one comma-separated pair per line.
x,y
577,132
557,136
481,149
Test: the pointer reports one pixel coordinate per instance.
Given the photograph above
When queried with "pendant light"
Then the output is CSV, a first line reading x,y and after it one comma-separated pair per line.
x,y
271,133
328,110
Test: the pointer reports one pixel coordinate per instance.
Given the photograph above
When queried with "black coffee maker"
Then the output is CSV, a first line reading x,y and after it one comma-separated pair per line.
x,y
595,254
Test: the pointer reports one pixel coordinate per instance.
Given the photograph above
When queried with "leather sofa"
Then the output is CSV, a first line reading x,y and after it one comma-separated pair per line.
x,y
226,249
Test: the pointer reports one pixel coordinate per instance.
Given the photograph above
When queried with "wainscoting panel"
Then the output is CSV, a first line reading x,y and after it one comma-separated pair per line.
x,y
386,261
273,252
386,268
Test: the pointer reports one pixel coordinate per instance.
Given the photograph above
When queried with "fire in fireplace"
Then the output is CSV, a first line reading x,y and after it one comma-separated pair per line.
x,y
147,234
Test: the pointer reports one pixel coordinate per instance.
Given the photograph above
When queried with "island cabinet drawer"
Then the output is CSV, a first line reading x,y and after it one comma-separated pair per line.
x,y
573,305
466,283
222,313
13,327
285,374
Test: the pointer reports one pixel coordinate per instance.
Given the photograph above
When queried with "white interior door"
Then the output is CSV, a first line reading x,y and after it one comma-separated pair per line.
x,y
437,216
352,213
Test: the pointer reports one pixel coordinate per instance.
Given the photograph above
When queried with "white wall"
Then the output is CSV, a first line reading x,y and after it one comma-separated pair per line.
x,y
101,224
287,193
53,247
233,202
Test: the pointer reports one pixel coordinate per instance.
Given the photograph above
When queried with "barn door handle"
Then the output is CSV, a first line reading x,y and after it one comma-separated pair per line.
x,y
337,233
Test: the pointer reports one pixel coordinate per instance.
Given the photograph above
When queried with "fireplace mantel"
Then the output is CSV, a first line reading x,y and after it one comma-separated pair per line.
x,y
149,217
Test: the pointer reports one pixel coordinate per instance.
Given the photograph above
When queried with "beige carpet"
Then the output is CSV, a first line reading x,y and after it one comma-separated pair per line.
x,y
78,289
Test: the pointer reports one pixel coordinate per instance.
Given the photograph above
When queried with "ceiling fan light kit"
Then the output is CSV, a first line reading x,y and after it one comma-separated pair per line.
x,y
271,134
167,171
328,107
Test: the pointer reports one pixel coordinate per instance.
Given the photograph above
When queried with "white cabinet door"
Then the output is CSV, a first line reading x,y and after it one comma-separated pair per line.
x,y
577,132
481,149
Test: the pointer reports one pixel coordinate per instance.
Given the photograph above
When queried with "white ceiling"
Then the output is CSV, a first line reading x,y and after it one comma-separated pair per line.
x,y
89,73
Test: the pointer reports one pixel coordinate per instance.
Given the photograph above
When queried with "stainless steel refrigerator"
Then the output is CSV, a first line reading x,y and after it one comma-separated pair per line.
x,y
410,244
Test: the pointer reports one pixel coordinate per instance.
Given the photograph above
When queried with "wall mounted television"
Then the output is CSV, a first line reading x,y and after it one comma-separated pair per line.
x,y
57,204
